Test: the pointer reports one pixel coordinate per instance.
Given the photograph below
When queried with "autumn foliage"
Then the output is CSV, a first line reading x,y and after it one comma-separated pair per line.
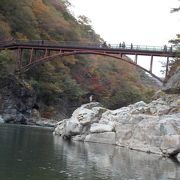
x,y
71,79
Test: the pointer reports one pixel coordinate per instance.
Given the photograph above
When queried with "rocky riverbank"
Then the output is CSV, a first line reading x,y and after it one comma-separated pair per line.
x,y
153,127
18,104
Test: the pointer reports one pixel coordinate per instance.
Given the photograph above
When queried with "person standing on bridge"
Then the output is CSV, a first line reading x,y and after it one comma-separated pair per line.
x,y
171,48
123,45
42,42
104,44
131,46
165,48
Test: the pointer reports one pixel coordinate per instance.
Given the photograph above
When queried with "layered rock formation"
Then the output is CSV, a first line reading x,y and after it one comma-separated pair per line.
x,y
16,100
173,83
153,127
18,104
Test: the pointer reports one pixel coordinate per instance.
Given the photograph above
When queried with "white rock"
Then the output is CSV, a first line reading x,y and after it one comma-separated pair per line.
x,y
105,138
139,104
124,134
72,127
85,116
119,115
170,143
100,128
59,130
153,127
1,119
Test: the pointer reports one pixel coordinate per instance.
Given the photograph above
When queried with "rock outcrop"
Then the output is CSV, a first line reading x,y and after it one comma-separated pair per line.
x,y
1,120
18,104
153,127
173,83
17,99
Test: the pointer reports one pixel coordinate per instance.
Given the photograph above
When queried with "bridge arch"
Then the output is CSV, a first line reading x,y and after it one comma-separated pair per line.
x,y
62,54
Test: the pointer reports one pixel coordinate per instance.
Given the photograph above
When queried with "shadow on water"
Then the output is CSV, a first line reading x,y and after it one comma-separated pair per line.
x,y
175,160
28,153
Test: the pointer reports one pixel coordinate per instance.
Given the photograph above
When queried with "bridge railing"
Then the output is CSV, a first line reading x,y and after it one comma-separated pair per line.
x,y
88,45
143,47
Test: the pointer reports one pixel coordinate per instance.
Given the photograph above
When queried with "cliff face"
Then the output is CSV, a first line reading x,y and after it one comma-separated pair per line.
x,y
173,84
18,104
17,99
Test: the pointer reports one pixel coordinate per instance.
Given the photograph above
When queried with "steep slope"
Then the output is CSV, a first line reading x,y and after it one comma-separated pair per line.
x,y
172,85
65,83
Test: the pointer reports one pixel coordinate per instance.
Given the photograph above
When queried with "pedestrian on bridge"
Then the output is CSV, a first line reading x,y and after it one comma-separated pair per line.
x,y
123,45
131,46
165,48
104,44
171,48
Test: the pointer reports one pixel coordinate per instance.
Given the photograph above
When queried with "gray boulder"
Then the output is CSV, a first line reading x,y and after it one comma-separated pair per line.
x,y
81,120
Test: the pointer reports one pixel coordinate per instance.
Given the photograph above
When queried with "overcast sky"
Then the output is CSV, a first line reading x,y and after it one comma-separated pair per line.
x,y
143,22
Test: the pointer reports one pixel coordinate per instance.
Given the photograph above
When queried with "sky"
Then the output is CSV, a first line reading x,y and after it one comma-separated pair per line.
x,y
141,22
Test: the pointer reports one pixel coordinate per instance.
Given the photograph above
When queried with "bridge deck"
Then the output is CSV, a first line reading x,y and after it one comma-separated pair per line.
x,y
77,46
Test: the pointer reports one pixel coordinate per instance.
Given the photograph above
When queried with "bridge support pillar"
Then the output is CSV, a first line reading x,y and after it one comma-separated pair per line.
x,y
49,53
19,58
136,58
167,67
31,55
45,53
151,64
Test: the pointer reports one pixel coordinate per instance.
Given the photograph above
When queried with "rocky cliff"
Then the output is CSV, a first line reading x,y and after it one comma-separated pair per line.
x,y
153,127
18,103
16,100
173,83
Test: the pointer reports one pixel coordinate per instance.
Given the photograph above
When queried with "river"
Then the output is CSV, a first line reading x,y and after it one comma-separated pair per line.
x,y
28,153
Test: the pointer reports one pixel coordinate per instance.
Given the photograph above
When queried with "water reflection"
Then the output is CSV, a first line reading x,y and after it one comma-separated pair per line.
x,y
99,161
28,153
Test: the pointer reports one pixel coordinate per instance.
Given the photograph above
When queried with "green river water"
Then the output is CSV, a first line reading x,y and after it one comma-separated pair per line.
x,y
31,153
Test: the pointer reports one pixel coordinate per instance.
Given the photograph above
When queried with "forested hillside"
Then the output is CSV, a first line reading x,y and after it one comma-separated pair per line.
x,y
175,63
65,83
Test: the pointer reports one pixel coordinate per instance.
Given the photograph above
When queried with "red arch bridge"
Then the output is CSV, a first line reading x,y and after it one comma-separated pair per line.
x,y
52,50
